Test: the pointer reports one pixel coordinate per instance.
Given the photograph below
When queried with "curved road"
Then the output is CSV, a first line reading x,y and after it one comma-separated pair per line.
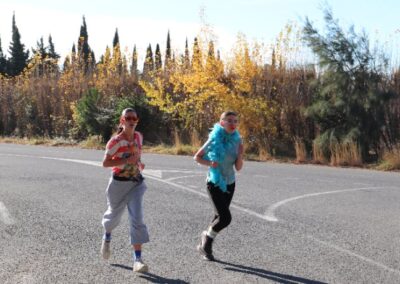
x,y
291,224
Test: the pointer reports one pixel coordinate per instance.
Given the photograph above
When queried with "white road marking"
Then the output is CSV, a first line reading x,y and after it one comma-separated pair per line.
x,y
179,177
270,213
182,171
252,213
154,173
363,258
5,216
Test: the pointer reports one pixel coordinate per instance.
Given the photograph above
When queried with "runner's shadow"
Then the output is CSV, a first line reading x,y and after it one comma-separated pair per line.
x,y
274,276
121,266
158,279
152,277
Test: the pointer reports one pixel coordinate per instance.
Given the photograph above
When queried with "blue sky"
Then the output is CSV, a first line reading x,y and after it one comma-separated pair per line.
x,y
143,22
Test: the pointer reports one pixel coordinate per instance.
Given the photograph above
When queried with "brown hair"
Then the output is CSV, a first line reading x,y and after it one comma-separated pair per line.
x,y
227,113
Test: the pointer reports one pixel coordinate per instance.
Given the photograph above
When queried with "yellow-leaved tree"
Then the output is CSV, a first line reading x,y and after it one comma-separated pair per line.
x,y
257,111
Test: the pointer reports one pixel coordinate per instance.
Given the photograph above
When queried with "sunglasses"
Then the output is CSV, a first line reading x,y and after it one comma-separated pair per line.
x,y
131,118
231,121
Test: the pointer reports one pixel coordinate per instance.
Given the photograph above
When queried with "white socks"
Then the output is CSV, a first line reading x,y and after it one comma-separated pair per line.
x,y
211,233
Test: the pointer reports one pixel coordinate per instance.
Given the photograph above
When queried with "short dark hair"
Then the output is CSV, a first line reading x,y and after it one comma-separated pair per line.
x,y
228,113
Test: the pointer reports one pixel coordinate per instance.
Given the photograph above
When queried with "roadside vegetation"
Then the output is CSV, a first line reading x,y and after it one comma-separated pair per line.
x,y
327,97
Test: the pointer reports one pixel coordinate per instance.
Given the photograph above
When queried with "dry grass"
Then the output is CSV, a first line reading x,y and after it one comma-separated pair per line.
x,y
345,154
263,155
195,140
93,142
391,159
182,149
318,154
301,153
39,141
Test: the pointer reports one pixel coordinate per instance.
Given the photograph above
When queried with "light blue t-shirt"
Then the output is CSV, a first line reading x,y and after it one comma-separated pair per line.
x,y
226,167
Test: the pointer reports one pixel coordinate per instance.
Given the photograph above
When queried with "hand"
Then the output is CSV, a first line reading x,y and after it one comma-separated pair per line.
x,y
132,159
213,164
141,166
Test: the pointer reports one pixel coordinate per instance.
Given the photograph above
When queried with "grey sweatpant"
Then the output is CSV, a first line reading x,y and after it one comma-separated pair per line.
x,y
119,195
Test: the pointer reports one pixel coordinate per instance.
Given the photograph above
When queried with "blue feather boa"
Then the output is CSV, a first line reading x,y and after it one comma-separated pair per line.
x,y
221,143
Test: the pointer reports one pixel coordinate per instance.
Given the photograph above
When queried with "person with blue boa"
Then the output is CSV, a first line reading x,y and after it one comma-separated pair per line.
x,y
221,153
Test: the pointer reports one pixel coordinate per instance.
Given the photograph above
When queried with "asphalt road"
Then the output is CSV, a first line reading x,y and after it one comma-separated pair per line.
x,y
291,223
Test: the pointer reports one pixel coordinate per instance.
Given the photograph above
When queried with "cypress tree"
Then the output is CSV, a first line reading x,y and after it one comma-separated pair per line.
x,y
19,57
186,58
3,61
196,56
116,38
211,63
167,60
40,49
93,57
84,50
51,50
41,53
211,53
157,59
148,65
273,60
73,54
117,56
134,64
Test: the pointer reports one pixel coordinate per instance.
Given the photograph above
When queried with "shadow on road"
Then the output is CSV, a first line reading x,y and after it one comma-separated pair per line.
x,y
152,277
121,266
158,279
274,276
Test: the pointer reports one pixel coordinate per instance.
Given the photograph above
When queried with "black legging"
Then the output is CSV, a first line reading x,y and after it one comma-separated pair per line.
x,y
221,201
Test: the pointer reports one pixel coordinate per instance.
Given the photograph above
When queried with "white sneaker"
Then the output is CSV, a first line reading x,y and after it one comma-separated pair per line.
x,y
105,249
139,266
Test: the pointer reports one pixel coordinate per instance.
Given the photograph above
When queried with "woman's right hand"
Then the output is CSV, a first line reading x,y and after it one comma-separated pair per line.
x,y
132,159
213,164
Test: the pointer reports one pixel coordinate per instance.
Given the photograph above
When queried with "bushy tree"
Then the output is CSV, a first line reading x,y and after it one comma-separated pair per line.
x,y
350,95
93,118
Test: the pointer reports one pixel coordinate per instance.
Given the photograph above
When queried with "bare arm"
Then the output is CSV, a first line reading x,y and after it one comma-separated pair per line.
x,y
239,159
109,162
198,158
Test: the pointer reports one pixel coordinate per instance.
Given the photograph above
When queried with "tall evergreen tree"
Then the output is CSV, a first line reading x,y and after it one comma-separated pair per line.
x,y
51,50
148,65
40,54
84,51
186,58
3,61
117,55
93,56
73,54
211,62
196,56
134,64
167,60
349,105
157,59
19,57
40,49
116,38
211,53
